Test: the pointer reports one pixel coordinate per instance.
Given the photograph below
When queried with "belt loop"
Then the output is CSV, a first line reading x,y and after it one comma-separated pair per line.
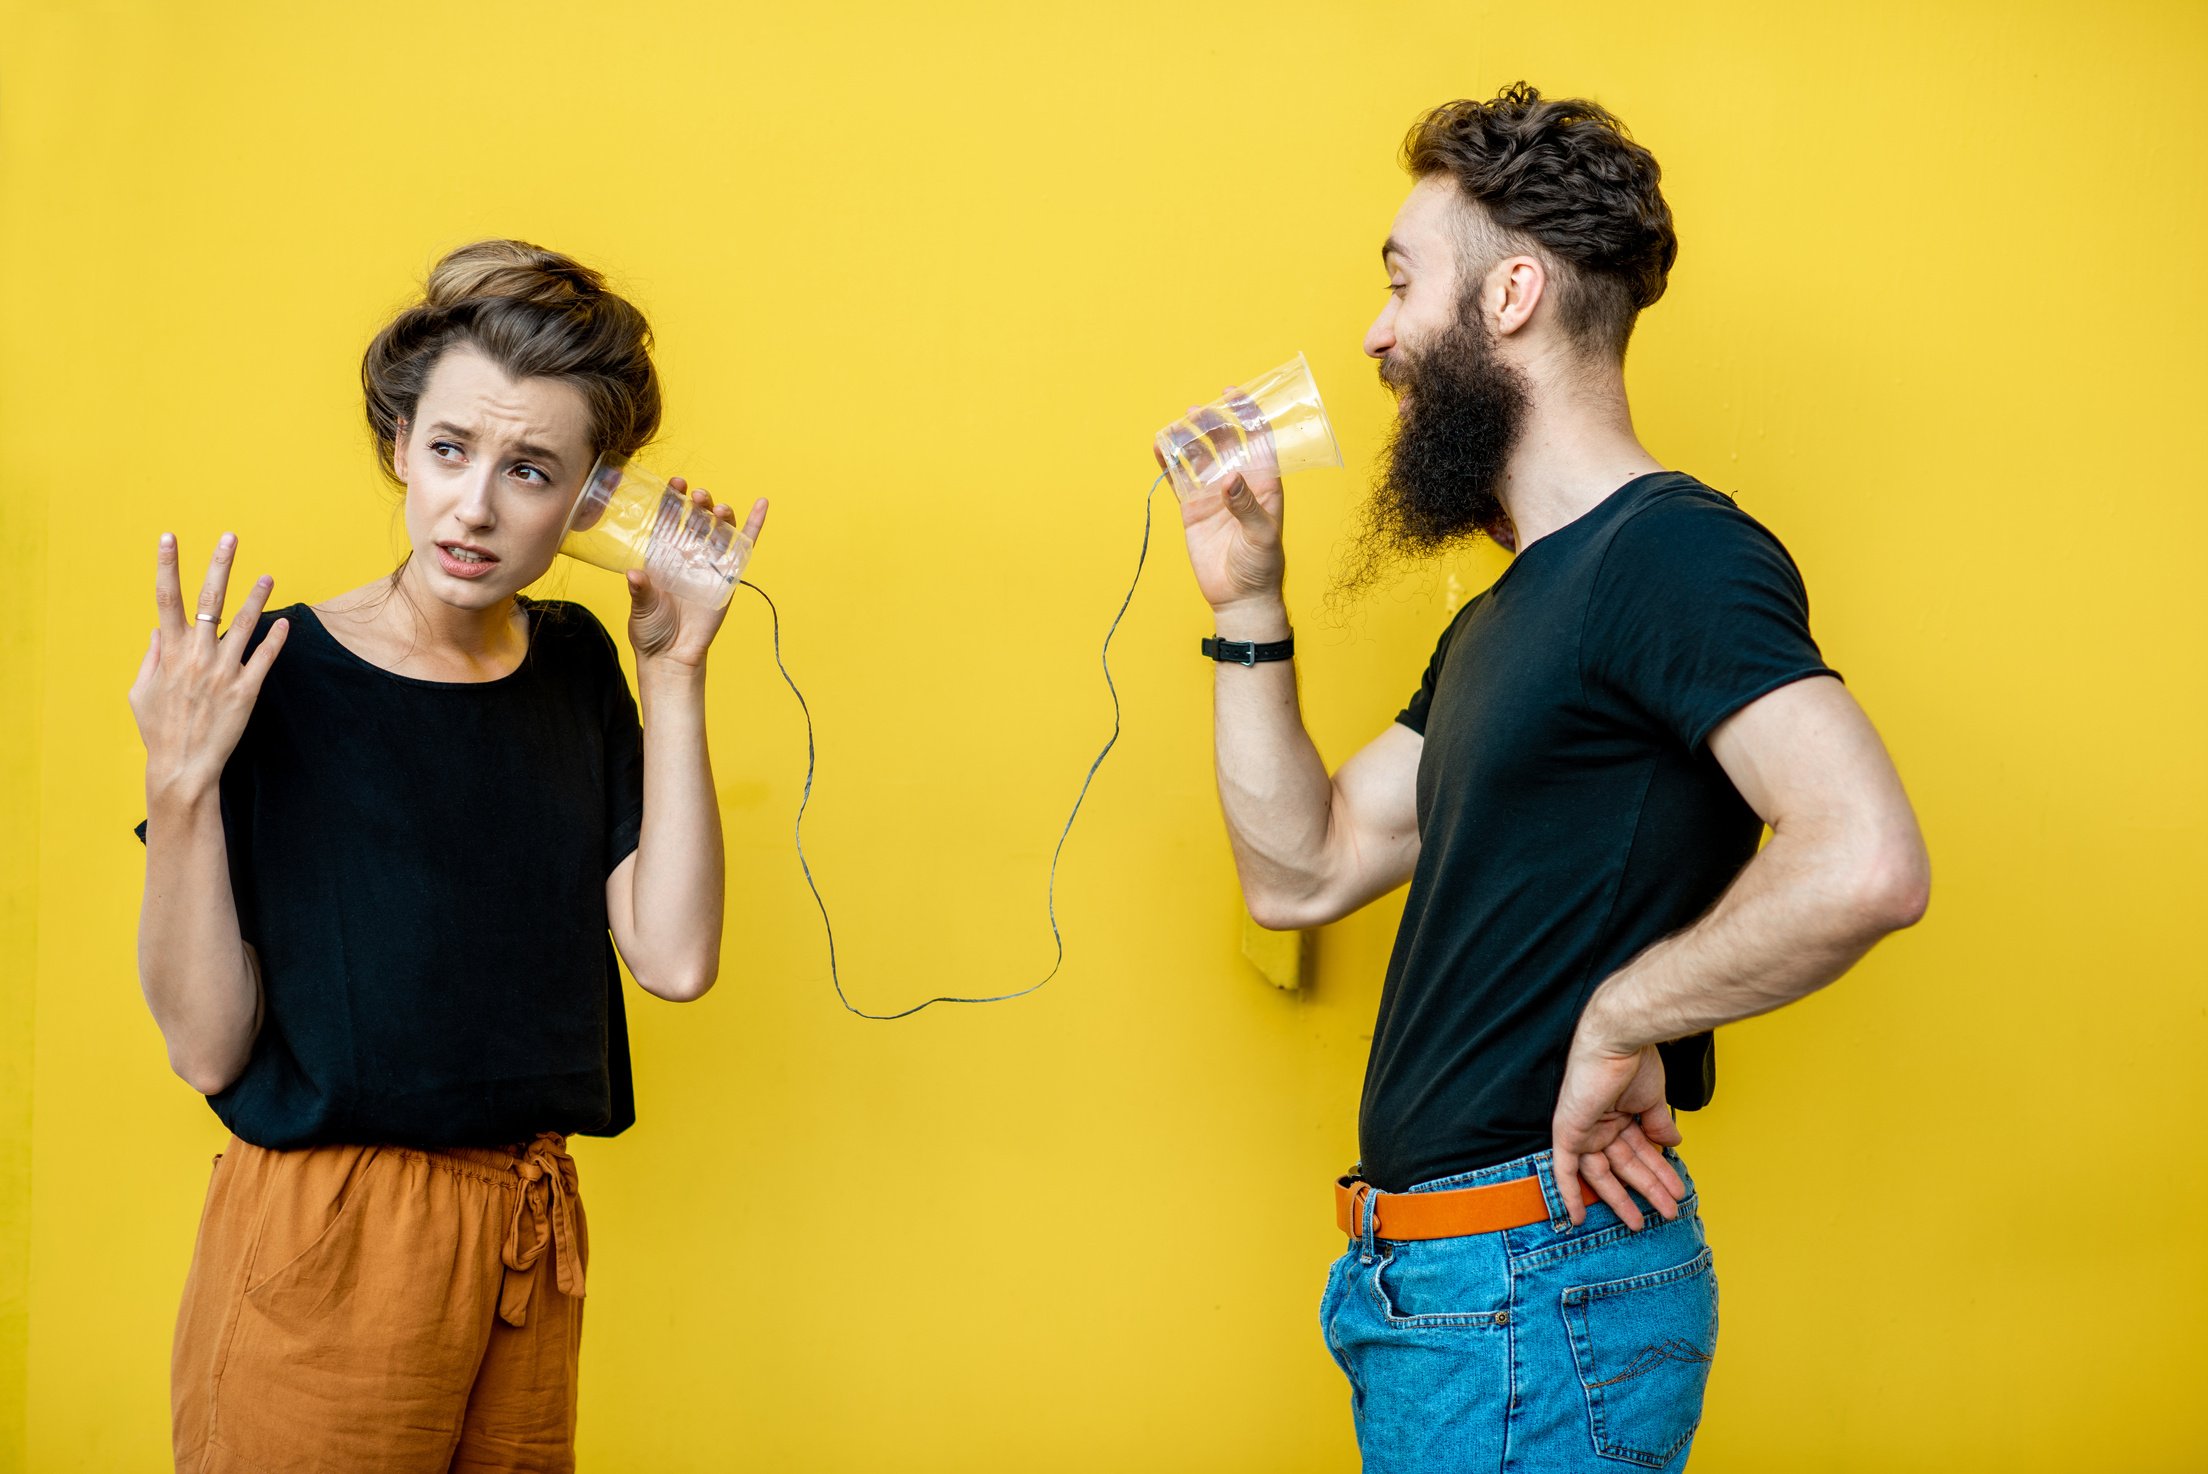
x,y
1368,1218
1544,1171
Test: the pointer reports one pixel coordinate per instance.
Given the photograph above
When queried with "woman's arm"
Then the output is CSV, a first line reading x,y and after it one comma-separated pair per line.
x,y
191,698
664,901
201,979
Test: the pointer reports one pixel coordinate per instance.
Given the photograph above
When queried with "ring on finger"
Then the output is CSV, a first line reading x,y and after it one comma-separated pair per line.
x,y
208,618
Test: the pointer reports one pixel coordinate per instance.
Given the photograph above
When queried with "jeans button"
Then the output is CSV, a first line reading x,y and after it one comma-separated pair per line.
x,y
1502,1317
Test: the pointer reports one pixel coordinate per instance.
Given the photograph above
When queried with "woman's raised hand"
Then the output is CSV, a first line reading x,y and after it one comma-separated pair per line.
x,y
664,628
194,690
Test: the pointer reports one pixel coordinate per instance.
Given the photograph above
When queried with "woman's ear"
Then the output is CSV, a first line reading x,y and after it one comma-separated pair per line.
x,y
398,451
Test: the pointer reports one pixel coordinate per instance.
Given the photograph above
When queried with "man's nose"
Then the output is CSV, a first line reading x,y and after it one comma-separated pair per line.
x,y
1380,337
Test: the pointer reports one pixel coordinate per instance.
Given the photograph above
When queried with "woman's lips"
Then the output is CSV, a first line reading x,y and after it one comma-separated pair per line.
x,y
461,567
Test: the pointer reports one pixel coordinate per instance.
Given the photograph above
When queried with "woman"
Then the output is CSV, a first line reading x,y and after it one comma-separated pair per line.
x,y
387,837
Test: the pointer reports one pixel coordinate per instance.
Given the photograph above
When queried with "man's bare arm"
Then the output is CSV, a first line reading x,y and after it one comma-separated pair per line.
x,y
1309,848
1845,866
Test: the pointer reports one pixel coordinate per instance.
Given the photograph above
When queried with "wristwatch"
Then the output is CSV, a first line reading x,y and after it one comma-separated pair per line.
x,y
1244,652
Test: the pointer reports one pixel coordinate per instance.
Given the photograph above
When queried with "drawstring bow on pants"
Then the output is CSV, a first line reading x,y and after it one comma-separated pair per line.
x,y
544,1223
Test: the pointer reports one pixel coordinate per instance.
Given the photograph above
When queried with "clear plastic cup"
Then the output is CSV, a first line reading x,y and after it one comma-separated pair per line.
x,y
626,517
1268,427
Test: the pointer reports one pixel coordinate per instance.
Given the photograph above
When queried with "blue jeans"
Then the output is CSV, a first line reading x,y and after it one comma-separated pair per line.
x,y
1530,1350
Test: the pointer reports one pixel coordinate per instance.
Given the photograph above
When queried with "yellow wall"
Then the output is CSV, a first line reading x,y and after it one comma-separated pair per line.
x,y
928,276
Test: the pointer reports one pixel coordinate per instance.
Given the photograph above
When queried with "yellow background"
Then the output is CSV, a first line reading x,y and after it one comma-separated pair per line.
x,y
928,276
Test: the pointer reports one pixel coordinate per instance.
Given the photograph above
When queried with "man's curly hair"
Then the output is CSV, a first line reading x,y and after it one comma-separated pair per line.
x,y
1560,179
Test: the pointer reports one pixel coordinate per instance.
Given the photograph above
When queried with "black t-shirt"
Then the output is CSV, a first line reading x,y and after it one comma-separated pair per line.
x,y
1569,810
422,866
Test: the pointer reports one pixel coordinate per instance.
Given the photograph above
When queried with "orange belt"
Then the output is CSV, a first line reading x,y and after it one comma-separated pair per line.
x,y
1439,1215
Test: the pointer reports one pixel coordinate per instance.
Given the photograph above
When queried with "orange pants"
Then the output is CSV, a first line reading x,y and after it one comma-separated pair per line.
x,y
379,1309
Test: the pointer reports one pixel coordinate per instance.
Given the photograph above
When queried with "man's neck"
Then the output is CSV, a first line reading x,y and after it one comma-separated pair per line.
x,y
1577,447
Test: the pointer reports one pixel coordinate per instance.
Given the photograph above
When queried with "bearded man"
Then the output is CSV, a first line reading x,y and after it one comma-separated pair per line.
x,y
1576,793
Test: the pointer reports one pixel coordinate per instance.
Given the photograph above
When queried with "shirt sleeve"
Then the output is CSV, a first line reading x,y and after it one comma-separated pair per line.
x,y
1697,611
1413,715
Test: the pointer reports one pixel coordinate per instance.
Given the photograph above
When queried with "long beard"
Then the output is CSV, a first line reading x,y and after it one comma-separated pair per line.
x,y
1463,410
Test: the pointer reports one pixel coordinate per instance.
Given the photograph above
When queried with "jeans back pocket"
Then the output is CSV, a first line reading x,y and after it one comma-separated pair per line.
x,y
1643,1347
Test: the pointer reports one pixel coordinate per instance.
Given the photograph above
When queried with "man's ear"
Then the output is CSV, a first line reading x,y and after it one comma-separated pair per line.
x,y
398,451
1516,287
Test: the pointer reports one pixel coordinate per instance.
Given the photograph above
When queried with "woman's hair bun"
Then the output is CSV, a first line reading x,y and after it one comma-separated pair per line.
x,y
511,269
536,314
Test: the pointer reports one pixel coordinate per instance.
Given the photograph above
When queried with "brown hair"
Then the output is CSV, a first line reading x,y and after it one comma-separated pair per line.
x,y
1560,179
536,314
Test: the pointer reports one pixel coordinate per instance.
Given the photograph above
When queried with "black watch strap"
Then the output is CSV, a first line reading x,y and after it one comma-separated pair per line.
x,y
1243,652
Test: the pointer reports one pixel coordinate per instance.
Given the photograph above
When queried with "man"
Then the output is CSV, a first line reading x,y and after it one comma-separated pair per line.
x,y
1575,794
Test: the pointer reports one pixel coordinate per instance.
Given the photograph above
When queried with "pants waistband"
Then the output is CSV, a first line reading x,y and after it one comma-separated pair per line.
x,y
543,1225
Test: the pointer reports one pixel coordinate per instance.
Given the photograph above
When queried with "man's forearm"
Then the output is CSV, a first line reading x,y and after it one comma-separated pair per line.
x,y
1273,786
1802,913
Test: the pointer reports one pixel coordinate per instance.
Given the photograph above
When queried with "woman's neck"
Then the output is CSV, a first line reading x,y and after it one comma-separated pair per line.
x,y
402,626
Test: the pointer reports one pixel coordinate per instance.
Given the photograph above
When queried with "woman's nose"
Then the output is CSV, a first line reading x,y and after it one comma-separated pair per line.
x,y
475,500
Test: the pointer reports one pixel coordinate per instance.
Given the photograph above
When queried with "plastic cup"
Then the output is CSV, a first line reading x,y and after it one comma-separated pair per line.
x,y
1268,427
626,517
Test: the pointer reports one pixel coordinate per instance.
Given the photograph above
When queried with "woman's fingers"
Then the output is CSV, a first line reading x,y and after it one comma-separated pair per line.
x,y
168,596
147,666
249,613
723,512
209,615
256,669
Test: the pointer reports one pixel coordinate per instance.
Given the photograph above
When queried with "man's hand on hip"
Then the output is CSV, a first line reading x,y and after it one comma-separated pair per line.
x,y
1611,1125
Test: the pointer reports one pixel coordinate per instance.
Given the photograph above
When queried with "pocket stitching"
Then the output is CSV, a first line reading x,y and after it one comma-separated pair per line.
x,y
1576,1300
1468,1318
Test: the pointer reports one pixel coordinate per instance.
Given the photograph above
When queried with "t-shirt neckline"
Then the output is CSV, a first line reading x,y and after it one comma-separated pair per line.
x,y
530,610
1615,499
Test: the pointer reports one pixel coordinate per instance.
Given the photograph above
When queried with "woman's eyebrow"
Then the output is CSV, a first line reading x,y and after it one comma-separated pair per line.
x,y
530,449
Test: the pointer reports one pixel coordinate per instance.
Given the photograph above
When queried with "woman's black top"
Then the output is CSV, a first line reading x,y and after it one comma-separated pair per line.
x,y
422,867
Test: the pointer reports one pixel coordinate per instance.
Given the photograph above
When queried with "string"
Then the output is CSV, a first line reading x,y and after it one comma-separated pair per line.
x,y
1051,895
